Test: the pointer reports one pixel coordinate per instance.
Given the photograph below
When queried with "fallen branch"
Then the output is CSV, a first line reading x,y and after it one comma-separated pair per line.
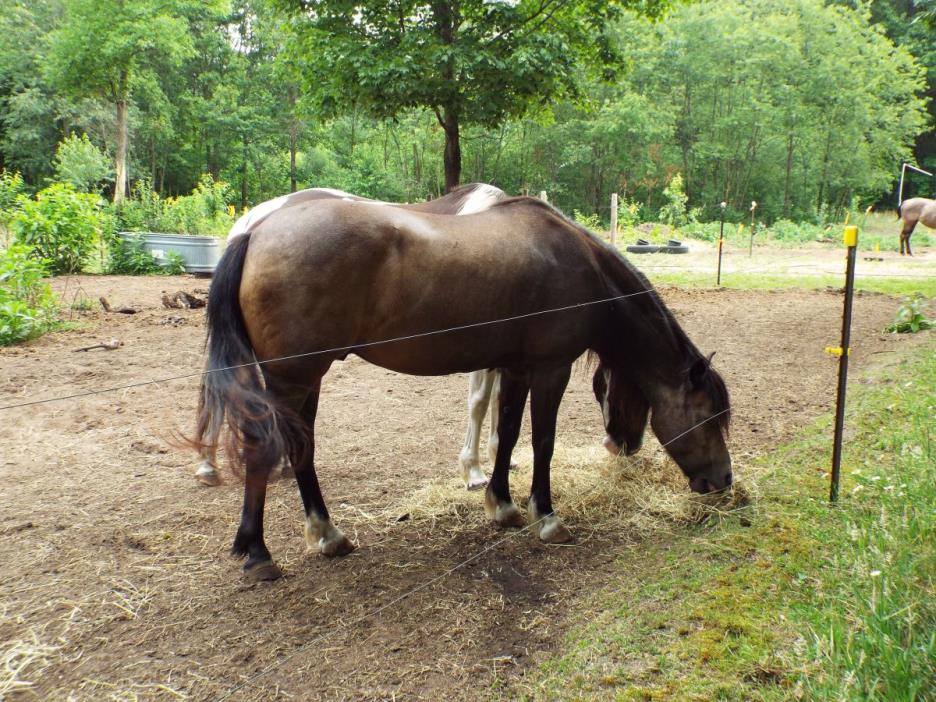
x,y
122,310
109,345
182,300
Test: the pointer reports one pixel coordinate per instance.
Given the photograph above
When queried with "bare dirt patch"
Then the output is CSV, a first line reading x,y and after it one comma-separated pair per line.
x,y
113,569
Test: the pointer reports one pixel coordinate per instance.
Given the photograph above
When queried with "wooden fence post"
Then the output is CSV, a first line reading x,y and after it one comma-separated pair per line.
x,y
614,213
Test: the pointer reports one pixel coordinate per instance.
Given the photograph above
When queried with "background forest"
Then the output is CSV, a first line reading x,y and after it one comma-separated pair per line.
x,y
806,107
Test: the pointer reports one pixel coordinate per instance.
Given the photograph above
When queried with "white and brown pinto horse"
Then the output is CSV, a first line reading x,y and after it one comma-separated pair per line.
x,y
314,283
916,209
483,385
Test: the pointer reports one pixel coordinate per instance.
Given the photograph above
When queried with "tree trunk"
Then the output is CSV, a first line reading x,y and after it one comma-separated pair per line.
x,y
293,136
243,179
120,185
786,180
452,157
292,156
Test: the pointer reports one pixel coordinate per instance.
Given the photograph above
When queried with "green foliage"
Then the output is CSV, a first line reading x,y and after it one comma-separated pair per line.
x,y
61,225
127,255
785,599
174,264
911,315
591,222
81,163
27,305
204,212
629,213
674,212
11,187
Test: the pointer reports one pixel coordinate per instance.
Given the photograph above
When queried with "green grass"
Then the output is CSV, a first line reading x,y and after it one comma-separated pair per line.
x,y
790,598
896,286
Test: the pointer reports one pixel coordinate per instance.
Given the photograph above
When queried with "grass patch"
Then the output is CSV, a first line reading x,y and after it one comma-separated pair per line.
x,y
788,598
758,281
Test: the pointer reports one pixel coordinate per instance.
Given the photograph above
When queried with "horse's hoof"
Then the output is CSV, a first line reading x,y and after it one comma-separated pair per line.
x,y
554,532
504,514
262,571
207,475
475,479
336,547
510,517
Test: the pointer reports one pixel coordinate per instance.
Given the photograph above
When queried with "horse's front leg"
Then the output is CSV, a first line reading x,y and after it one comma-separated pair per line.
x,y
497,502
547,389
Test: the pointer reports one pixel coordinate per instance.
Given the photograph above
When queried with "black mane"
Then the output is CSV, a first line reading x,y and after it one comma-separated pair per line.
x,y
712,383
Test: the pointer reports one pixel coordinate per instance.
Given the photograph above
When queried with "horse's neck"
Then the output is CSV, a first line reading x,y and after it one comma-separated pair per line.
x,y
644,337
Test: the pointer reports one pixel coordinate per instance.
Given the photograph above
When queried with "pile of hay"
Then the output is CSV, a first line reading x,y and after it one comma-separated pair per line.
x,y
591,489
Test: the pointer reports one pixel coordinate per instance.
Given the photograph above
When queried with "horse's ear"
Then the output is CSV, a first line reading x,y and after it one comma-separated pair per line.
x,y
698,371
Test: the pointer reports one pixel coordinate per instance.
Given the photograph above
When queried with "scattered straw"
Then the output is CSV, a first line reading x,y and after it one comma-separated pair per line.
x,y
22,659
591,489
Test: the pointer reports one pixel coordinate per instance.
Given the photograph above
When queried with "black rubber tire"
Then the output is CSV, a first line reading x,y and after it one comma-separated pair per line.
x,y
681,249
644,248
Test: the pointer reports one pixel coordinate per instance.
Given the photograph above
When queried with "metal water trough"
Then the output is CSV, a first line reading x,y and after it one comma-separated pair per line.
x,y
200,254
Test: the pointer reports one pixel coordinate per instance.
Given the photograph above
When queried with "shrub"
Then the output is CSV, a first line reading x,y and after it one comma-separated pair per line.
x,y
911,316
11,187
27,305
629,213
591,222
674,212
128,256
203,212
61,226
81,163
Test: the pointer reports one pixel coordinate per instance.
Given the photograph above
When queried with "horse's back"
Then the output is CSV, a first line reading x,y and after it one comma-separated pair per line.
x,y
356,273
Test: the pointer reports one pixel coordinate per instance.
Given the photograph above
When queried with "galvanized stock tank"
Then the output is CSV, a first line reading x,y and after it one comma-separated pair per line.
x,y
199,253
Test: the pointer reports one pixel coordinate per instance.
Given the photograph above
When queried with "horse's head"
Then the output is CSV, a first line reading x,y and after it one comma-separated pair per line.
x,y
624,408
690,419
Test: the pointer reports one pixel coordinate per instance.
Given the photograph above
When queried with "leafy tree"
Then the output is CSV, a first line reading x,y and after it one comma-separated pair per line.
x,y
469,61
131,40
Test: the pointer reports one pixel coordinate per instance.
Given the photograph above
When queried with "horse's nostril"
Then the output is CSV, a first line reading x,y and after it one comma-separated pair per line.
x,y
728,479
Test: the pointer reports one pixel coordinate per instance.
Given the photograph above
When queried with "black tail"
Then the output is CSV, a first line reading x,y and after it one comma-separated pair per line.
x,y
231,386
898,210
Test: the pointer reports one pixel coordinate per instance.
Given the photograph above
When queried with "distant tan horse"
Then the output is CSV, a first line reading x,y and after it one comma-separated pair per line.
x,y
917,209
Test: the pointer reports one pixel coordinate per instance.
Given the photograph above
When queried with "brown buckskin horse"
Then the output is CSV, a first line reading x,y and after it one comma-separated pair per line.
x,y
916,209
483,385
312,284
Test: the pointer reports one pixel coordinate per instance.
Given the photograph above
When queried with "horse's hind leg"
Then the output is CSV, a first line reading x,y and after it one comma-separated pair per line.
x,y
495,379
480,384
320,533
249,542
546,394
513,394
209,429
207,471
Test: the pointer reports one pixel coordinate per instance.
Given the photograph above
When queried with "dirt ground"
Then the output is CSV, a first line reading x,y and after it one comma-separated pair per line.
x,y
114,571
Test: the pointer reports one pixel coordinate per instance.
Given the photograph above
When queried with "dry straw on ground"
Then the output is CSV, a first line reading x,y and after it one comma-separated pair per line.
x,y
591,490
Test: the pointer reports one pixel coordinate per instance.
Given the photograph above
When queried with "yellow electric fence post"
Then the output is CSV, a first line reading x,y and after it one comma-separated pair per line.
x,y
721,241
843,352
